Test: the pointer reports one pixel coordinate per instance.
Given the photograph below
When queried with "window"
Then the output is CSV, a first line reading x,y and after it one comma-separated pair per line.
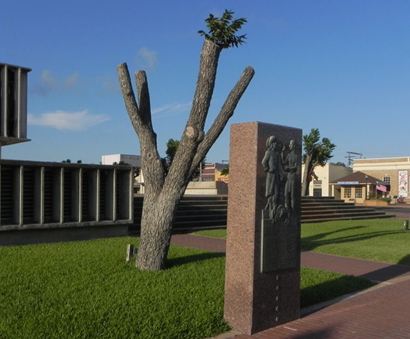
x,y
347,192
386,180
359,193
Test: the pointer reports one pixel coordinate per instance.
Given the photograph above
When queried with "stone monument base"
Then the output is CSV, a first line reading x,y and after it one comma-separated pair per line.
x,y
262,282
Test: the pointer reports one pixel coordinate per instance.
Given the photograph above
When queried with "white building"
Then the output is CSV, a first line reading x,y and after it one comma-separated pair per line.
x,y
129,159
320,186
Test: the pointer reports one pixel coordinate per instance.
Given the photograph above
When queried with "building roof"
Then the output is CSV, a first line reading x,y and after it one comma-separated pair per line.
x,y
219,166
15,66
358,178
381,160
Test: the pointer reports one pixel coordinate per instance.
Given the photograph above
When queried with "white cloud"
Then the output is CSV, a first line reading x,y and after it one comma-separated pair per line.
x,y
109,85
72,121
173,108
72,80
48,82
47,79
148,57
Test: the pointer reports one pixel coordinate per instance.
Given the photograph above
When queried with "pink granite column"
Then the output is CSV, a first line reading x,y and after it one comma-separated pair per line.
x,y
262,272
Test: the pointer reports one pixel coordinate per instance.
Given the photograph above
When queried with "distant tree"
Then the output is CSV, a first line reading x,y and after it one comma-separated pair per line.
x,y
225,171
79,162
172,146
316,153
339,163
164,190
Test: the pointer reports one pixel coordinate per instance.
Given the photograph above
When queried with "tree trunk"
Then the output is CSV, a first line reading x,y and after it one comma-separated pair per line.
x,y
156,227
306,177
162,193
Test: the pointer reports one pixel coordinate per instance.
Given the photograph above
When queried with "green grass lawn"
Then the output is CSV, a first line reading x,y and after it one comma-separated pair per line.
x,y
216,233
373,239
86,290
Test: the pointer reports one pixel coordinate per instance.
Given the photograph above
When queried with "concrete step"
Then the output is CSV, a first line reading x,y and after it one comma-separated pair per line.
x,y
323,219
327,203
337,210
197,217
202,199
200,223
320,199
347,215
211,211
205,204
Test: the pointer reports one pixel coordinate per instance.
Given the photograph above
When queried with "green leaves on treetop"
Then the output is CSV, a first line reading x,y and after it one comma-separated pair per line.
x,y
320,152
222,30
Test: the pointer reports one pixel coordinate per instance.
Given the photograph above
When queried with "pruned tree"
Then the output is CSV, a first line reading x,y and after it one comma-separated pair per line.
x,y
172,146
316,153
163,191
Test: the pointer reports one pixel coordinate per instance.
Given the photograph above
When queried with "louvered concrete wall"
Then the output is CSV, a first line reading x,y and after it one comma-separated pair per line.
x,y
38,195
13,104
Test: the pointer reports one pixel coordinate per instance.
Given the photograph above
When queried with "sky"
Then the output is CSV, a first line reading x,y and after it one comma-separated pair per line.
x,y
340,66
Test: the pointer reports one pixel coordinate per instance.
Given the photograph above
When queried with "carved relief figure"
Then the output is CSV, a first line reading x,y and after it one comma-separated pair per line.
x,y
291,166
272,164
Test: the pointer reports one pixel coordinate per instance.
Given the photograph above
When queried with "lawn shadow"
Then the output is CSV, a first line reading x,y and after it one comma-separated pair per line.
x,y
405,260
314,241
179,261
332,289
391,271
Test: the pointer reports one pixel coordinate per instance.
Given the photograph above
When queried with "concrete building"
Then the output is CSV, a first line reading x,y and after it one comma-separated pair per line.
x,y
37,196
394,172
321,186
13,104
130,159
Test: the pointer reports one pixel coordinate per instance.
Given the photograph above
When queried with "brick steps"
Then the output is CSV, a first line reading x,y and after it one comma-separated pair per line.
x,y
211,211
327,209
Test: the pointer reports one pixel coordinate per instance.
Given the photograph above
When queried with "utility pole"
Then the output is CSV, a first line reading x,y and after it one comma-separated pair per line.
x,y
351,156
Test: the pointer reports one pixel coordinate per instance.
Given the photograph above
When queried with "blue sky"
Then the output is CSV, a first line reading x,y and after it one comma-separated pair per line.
x,y
340,66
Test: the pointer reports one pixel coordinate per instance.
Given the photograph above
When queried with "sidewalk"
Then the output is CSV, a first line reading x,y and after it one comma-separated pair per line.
x,y
380,312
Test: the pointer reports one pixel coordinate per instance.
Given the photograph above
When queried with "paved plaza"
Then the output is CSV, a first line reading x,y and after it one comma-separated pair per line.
x,y
379,312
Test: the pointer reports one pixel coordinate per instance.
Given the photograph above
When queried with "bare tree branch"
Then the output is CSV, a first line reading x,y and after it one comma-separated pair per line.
x,y
224,115
129,97
193,133
144,98
141,120
205,84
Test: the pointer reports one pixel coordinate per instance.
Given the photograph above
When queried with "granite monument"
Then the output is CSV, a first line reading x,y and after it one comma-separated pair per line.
x,y
263,234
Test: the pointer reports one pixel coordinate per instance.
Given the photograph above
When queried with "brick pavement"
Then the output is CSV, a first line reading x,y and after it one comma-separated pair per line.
x,y
380,312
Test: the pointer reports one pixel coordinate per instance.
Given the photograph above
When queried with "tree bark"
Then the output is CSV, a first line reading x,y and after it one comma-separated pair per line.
x,y
223,117
162,193
156,226
306,177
